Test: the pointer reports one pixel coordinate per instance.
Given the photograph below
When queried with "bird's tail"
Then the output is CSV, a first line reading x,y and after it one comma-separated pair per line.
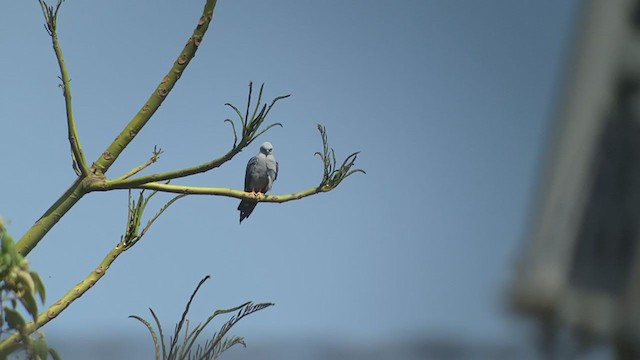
x,y
246,208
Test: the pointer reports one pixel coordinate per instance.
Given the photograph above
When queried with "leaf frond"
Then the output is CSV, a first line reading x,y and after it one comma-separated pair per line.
x,y
184,315
151,331
332,175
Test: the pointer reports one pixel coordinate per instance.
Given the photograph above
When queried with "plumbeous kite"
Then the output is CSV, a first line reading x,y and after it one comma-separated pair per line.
x,y
262,171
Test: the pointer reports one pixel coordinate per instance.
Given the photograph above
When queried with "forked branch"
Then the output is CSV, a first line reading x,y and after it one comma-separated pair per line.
x,y
109,156
97,172
77,155
251,129
332,176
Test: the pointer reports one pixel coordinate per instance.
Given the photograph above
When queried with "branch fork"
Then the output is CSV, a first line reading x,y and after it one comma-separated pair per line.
x,y
246,129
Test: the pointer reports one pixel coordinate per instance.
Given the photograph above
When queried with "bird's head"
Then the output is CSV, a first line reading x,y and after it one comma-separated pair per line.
x,y
266,148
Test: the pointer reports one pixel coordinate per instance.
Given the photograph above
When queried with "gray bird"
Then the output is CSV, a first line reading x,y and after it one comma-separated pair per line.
x,y
262,171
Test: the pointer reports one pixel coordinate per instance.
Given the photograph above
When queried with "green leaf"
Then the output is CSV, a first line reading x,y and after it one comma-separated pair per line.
x,y
153,334
25,282
7,244
184,317
228,343
164,348
39,349
14,318
29,303
54,354
37,281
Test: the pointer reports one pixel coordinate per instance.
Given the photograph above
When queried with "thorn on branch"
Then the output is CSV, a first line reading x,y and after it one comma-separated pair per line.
x,y
61,85
333,175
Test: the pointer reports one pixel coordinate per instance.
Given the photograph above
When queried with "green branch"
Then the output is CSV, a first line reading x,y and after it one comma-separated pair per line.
x,y
94,179
132,235
51,217
161,92
79,188
332,176
251,128
10,343
152,160
51,15
134,183
227,192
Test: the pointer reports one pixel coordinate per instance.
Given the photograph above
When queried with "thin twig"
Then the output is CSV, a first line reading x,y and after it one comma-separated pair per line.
x,y
77,155
152,160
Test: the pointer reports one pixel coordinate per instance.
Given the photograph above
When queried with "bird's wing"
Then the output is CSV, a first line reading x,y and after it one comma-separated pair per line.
x,y
248,179
275,176
272,170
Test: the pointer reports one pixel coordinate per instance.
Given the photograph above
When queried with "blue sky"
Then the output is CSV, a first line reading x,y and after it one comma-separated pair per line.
x,y
449,103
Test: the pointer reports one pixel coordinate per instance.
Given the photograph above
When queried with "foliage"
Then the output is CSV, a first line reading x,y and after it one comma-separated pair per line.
x,y
19,285
332,175
213,347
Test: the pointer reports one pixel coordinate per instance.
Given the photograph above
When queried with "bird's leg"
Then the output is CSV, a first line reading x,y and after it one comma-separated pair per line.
x,y
256,194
